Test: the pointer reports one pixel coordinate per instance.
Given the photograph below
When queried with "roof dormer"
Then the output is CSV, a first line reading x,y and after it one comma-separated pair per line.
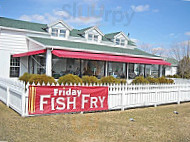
x,y
59,29
119,38
92,34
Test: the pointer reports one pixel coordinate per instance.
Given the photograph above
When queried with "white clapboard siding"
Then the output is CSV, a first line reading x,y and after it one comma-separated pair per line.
x,y
13,41
33,46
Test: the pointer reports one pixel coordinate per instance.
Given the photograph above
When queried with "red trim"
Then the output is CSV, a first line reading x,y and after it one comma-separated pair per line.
x,y
30,53
108,57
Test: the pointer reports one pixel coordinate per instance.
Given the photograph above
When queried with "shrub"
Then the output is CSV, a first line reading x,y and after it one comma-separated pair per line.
x,y
109,79
25,77
123,81
173,76
89,79
152,80
41,79
165,80
140,80
69,78
170,81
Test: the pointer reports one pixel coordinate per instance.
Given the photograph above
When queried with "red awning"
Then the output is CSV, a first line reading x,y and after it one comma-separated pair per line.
x,y
108,57
30,53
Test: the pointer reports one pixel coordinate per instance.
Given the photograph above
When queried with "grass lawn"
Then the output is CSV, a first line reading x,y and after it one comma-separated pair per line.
x,y
151,124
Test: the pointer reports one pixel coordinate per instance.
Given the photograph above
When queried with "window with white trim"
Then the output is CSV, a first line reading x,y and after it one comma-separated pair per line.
x,y
54,32
117,41
92,37
14,67
120,42
96,38
62,33
58,32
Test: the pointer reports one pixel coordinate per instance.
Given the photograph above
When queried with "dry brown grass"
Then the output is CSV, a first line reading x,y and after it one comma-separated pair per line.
x,y
151,124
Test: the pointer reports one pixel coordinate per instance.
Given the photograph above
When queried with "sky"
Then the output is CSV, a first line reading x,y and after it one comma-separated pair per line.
x,y
157,23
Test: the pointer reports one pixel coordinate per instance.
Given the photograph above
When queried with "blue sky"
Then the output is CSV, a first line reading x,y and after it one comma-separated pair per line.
x,y
158,23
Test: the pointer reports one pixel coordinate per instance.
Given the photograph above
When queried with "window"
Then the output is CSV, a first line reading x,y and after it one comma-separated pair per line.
x,y
92,68
117,41
89,36
155,71
117,70
120,42
95,37
54,32
92,37
62,33
14,67
63,66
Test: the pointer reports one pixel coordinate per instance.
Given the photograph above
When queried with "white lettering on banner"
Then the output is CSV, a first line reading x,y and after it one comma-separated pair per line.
x,y
71,103
68,92
84,100
102,101
60,103
94,101
42,102
61,100
52,104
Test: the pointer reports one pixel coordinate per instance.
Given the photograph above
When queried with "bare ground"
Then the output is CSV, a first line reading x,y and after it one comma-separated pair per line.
x,y
151,124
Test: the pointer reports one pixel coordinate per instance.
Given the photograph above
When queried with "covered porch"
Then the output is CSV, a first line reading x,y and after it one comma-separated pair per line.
x,y
57,62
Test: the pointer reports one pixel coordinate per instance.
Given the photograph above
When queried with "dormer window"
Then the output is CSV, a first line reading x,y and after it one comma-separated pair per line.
x,y
62,33
117,41
59,29
58,32
92,37
96,38
54,32
120,42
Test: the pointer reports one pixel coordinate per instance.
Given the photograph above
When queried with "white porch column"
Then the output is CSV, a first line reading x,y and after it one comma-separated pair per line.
x,y
160,71
49,62
127,75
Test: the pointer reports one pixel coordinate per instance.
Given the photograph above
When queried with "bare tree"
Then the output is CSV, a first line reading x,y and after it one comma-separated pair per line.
x,y
153,50
181,52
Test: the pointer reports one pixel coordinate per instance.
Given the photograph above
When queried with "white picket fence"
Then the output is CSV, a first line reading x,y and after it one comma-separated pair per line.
x,y
120,96
12,93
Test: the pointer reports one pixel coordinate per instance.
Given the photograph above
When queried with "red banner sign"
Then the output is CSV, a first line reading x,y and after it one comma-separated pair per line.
x,y
64,99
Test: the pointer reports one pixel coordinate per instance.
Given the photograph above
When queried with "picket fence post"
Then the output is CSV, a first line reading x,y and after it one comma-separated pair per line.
x,y
178,98
122,98
8,96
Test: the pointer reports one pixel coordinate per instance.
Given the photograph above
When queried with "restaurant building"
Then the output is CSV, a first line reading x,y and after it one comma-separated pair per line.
x,y
57,49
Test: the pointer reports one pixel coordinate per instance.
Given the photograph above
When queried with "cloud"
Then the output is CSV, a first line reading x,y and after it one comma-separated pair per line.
x,y
90,1
186,0
134,40
35,17
85,20
187,33
171,34
61,15
155,10
140,8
